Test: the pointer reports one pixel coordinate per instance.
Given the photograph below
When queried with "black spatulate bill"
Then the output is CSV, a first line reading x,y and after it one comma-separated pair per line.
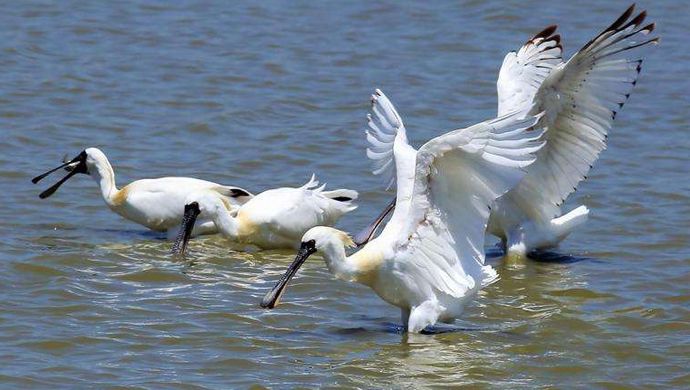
x,y
191,212
271,298
368,232
76,165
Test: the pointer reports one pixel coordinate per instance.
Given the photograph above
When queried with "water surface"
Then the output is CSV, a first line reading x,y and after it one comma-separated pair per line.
x,y
263,94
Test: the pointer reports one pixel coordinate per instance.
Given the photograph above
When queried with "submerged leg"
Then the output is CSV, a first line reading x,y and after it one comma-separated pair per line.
x,y
423,315
404,317
515,243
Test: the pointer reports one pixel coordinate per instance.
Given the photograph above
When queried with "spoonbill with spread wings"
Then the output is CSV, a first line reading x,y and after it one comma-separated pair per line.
x,y
580,98
429,258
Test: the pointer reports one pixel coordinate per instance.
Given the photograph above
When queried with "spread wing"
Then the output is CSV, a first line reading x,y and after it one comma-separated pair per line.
x,y
523,71
388,148
392,155
457,177
580,99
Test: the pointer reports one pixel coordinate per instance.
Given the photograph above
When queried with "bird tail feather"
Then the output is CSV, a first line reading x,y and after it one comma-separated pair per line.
x,y
341,195
565,224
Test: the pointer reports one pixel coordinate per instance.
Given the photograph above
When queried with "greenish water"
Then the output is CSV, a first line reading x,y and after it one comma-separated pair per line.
x,y
263,94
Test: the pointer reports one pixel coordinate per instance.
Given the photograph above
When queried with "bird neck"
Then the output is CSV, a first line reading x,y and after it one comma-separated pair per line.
x,y
103,173
227,225
360,267
337,262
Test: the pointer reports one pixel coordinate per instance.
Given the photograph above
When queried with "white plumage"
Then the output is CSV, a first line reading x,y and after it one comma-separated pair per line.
x,y
276,218
429,259
580,99
157,204
523,72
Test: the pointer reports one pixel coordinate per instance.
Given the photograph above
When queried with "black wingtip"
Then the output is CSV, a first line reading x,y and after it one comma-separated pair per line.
x,y
546,35
648,28
342,198
637,20
619,22
547,32
622,23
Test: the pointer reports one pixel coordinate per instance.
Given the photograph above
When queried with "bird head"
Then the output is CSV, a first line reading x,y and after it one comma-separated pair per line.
x,y
85,162
317,239
197,203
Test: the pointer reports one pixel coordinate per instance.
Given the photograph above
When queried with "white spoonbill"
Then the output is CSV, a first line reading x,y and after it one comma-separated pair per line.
x,y
157,204
429,258
580,99
275,218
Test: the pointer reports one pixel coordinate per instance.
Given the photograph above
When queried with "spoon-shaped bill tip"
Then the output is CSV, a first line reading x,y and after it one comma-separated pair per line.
x,y
73,166
191,212
271,299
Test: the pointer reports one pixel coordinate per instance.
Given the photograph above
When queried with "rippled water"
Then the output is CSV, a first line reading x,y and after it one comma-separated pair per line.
x,y
261,95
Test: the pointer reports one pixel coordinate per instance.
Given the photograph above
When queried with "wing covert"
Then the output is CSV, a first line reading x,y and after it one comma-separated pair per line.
x,y
458,176
580,99
523,72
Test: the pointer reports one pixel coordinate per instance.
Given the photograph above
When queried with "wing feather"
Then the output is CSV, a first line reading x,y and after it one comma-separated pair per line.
x,y
385,129
580,99
457,177
524,71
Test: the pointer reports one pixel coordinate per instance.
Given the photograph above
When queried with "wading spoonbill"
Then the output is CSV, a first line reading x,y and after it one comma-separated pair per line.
x,y
429,258
580,99
276,218
157,204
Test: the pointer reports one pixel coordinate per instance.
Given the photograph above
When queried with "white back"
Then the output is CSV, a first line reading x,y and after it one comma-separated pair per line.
x,y
294,210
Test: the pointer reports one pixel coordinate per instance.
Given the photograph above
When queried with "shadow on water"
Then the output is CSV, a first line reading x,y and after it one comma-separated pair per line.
x,y
394,328
548,256
541,256
493,252
439,328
